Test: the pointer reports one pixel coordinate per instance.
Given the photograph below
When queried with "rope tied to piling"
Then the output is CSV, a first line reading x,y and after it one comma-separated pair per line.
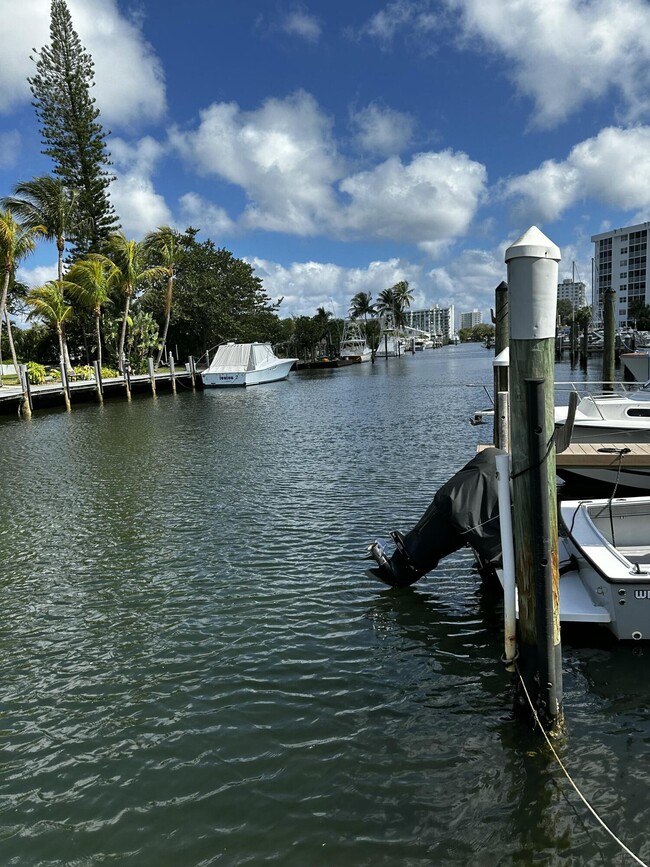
x,y
593,812
549,446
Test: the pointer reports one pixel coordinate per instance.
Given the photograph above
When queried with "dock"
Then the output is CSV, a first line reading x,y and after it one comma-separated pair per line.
x,y
52,394
604,455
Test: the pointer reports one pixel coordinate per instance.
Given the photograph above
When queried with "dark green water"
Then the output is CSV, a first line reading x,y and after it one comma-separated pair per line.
x,y
196,670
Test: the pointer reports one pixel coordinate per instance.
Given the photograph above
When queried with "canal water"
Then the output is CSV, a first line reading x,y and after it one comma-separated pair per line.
x,y
196,670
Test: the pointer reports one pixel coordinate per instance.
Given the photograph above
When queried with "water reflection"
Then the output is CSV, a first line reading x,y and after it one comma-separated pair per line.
x,y
197,670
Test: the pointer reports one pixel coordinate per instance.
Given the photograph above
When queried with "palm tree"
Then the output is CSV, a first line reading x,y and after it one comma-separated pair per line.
x,y
386,303
361,305
48,203
394,301
16,242
48,303
403,295
321,324
90,281
128,271
165,245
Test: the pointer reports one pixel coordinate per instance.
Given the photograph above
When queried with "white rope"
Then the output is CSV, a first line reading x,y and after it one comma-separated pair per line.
x,y
577,790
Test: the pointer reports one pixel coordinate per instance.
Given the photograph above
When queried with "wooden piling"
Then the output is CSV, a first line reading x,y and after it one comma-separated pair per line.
x,y
152,376
500,372
502,422
127,380
65,382
27,405
172,372
532,280
609,329
98,382
192,371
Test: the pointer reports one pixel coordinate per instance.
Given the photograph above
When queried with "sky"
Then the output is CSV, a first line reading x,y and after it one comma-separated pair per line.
x,y
341,147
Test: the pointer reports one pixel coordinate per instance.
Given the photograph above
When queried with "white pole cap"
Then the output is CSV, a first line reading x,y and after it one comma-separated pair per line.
x,y
532,283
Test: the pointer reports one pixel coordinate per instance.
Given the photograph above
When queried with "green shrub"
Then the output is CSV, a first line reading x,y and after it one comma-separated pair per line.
x,y
109,373
84,371
35,373
55,374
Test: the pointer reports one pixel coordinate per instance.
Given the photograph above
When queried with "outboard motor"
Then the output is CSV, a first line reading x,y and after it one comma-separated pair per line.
x,y
464,511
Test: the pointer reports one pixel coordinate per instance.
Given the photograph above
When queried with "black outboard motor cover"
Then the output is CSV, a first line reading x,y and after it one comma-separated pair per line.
x,y
464,511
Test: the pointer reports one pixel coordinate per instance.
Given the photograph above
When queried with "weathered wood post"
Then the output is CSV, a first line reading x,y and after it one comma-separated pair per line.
x,y
500,371
152,376
27,404
99,388
609,329
584,345
172,371
65,382
532,280
126,373
192,371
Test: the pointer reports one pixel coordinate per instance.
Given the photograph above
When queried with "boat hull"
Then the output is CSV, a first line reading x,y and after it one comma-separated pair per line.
x,y
240,379
610,542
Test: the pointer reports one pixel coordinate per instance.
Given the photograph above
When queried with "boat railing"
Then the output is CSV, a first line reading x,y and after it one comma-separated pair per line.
x,y
599,389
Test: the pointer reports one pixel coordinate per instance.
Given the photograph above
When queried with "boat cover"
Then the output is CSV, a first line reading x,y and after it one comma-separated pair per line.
x,y
464,511
239,357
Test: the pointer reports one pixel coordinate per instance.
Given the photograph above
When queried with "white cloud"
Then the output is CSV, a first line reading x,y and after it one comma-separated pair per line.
x,y
140,208
468,281
565,53
285,159
210,219
613,168
282,155
39,275
300,23
128,75
305,286
413,18
382,130
429,201
9,148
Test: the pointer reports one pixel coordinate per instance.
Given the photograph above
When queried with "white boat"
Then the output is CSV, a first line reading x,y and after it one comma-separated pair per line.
x,y
353,343
611,417
636,365
389,346
609,544
240,364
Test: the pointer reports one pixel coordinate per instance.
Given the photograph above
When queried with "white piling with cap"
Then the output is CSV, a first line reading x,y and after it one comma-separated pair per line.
x,y
532,283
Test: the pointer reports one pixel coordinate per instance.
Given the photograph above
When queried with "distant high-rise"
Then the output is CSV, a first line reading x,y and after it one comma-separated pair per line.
x,y
469,320
434,320
570,290
621,263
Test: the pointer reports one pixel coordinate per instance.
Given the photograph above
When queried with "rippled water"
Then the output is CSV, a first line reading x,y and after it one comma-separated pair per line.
x,y
196,670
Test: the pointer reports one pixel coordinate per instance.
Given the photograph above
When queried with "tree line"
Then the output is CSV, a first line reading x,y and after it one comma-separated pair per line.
x,y
114,298
325,331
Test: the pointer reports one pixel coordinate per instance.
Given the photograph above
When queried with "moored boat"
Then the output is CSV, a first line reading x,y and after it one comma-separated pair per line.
x,y
242,364
353,343
611,417
609,541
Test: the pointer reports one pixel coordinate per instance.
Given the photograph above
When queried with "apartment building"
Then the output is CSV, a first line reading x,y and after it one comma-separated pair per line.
x,y
469,320
575,292
621,263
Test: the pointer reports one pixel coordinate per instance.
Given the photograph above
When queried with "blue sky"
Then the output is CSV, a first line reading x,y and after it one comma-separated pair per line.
x,y
341,147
